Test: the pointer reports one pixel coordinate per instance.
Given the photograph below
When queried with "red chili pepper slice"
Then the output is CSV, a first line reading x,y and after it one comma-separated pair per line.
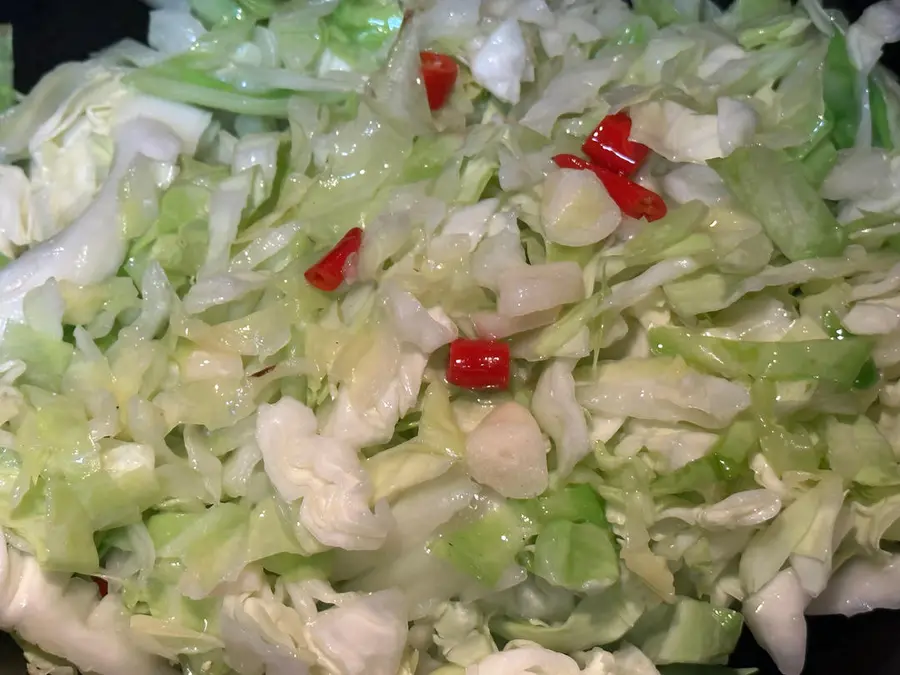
x,y
102,586
567,161
439,73
635,200
328,273
610,147
478,364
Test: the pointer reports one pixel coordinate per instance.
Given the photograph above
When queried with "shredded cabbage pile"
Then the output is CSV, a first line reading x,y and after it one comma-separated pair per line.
x,y
703,423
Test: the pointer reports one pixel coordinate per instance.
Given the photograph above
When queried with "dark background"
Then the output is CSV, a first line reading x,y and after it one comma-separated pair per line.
x,y
48,32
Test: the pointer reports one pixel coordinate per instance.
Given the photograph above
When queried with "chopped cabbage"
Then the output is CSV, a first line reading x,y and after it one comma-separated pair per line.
x,y
233,441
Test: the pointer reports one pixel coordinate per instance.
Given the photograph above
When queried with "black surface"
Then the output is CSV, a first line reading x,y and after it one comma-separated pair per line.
x,y
48,32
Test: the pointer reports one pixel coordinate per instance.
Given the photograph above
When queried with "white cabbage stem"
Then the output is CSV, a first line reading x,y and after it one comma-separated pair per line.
x,y
560,415
497,326
425,329
736,124
500,64
507,452
525,658
576,209
742,509
872,318
535,288
675,131
774,614
860,586
495,256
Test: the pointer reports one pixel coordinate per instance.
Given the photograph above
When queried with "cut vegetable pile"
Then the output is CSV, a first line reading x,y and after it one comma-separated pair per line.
x,y
483,337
